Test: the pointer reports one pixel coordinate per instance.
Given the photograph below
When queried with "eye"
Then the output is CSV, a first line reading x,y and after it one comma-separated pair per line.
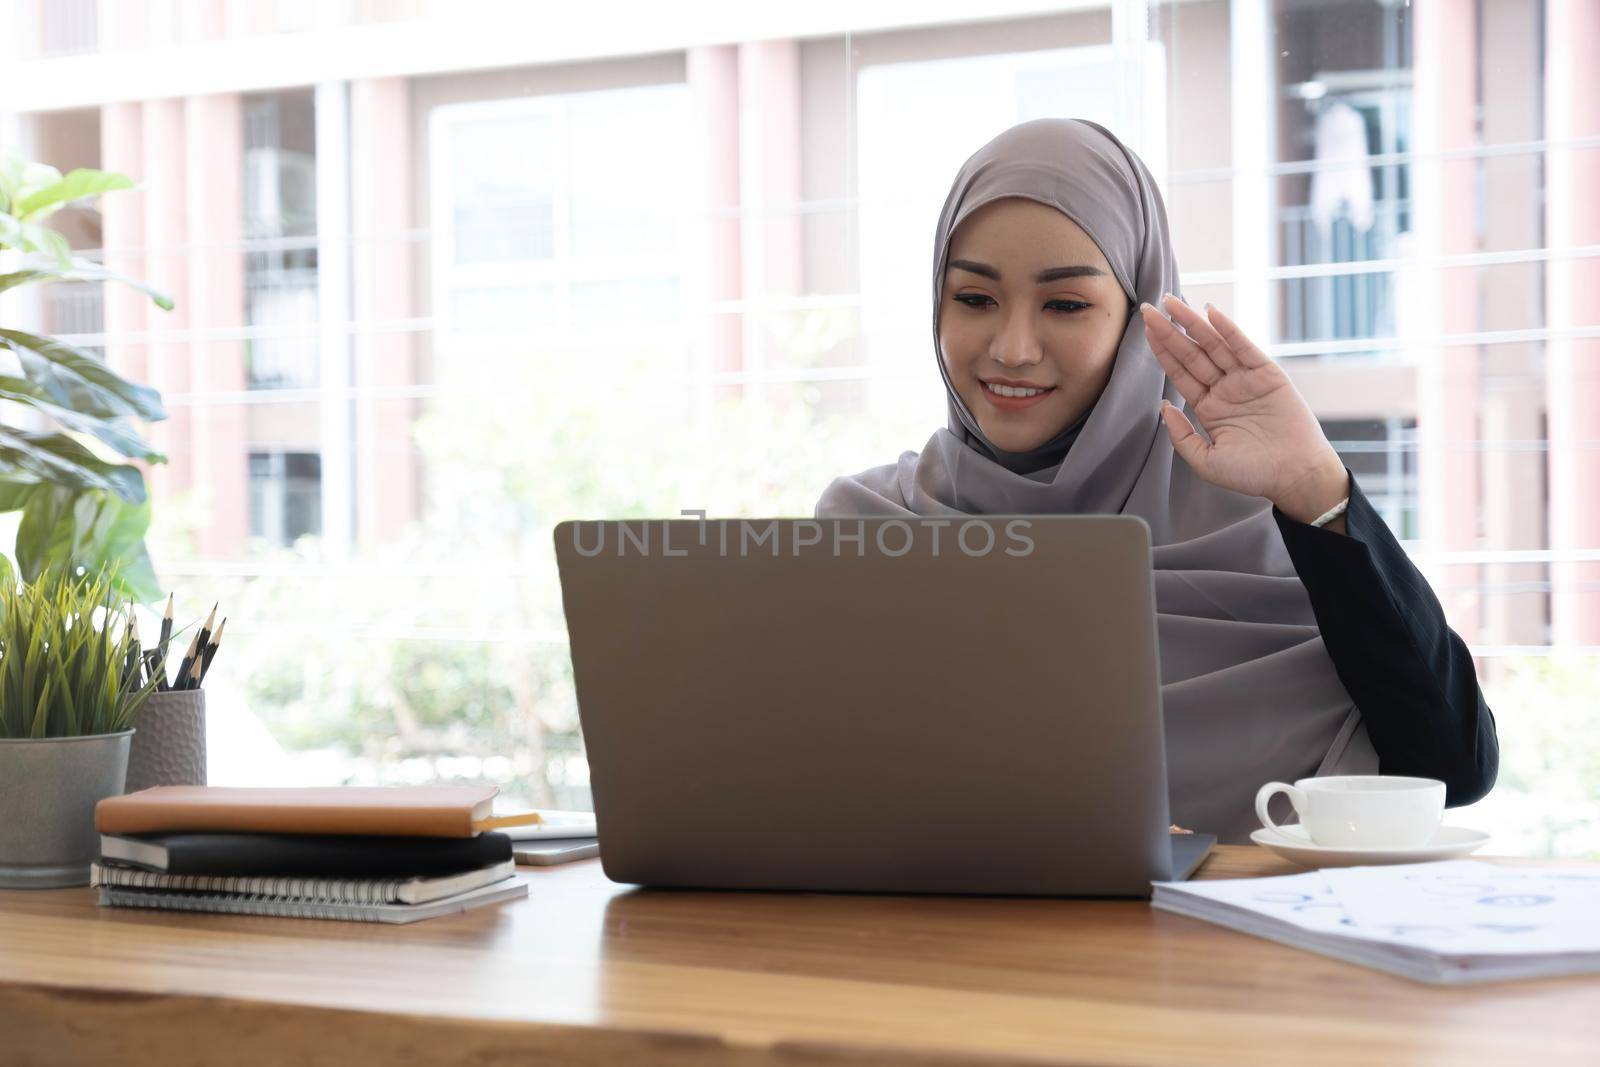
x,y
1065,307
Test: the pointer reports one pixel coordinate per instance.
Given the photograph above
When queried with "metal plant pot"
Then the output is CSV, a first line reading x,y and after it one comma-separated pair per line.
x,y
48,790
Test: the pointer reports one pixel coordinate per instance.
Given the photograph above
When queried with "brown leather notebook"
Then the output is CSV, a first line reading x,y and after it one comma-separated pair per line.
x,y
419,811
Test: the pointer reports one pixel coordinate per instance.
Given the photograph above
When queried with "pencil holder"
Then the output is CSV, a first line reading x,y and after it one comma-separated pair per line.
x,y
169,741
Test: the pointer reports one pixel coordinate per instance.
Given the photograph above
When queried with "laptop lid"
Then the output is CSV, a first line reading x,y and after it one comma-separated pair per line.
x,y
896,705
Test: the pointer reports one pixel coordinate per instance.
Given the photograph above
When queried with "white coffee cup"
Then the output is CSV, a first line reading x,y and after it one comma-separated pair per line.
x,y
1361,810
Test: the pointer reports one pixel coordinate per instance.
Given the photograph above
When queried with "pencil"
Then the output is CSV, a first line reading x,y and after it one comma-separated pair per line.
x,y
202,642
205,631
188,661
161,644
211,650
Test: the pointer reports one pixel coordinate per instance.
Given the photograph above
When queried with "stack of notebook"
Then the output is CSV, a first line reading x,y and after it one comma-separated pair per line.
x,y
372,854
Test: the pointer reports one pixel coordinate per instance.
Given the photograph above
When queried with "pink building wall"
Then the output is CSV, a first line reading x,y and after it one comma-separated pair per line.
x,y
164,179
769,185
181,232
1448,388
217,437
713,76
387,464
122,228
1572,219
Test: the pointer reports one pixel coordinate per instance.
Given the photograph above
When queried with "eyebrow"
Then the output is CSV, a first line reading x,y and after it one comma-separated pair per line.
x,y
1080,270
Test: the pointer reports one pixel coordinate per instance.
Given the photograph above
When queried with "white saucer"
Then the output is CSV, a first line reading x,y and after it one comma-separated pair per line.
x,y
1294,844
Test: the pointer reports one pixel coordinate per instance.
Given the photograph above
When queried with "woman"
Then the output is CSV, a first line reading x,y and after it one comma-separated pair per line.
x,y
1296,637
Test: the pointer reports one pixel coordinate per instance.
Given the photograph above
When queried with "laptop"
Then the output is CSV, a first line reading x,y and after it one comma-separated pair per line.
x,y
964,705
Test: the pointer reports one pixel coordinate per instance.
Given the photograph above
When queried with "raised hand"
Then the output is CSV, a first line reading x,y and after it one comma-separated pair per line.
x,y
1264,440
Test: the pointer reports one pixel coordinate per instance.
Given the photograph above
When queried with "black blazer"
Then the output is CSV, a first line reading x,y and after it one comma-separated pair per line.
x,y
1406,670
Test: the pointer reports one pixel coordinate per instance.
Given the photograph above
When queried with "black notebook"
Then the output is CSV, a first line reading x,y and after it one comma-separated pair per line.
x,y
313,855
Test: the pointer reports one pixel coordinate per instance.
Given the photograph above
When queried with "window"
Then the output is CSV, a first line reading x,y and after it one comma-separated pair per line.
x,y
432,313
1353,212
561,215
502,171
1382,456
280,221
71,27
76,309
285,496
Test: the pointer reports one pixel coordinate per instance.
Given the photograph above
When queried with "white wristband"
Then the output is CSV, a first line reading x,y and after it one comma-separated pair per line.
x,y
1332,513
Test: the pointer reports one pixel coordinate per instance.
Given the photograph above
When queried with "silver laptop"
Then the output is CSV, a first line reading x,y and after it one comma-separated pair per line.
x,y
885,705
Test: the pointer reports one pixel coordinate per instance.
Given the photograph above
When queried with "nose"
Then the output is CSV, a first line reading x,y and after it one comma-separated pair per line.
x,y
1017,344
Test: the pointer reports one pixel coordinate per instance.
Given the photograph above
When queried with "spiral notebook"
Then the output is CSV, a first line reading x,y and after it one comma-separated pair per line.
x,y
287,907
315,890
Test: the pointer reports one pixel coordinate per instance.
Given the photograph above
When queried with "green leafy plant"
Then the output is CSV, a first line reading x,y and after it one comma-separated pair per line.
x,y
82,513
62,672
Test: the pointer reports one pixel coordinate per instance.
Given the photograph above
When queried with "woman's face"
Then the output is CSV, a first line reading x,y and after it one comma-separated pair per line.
x,y
1029,322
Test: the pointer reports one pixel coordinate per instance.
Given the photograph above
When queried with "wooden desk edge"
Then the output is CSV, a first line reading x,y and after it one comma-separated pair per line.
x,y
44,1025
52,1023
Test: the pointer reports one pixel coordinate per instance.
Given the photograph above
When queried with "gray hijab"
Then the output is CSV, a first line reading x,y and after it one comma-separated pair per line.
x,y
1249,693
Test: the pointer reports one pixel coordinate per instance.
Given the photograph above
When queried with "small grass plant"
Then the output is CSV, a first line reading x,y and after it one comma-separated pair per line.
x,y
69,658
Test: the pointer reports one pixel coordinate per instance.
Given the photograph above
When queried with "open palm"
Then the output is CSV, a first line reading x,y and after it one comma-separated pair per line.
x,y
1264,439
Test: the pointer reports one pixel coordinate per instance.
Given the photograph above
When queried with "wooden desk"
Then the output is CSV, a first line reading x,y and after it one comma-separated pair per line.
x,y
587,972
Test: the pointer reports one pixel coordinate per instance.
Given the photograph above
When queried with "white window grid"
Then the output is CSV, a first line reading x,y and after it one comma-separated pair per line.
x,y
561,272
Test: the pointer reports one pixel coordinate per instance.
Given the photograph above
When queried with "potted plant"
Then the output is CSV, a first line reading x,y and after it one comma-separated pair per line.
x,y
69,445
69,687
69,430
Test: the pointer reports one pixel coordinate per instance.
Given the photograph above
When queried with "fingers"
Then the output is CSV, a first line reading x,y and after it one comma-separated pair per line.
x,y
1201,332
1186,440
1189,387
1160,334
1239,345
1165,337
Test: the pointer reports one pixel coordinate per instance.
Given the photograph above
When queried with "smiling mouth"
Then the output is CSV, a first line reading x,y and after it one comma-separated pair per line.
x,y
1004,395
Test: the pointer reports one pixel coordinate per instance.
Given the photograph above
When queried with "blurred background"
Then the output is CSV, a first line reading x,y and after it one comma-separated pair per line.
x,y
448,273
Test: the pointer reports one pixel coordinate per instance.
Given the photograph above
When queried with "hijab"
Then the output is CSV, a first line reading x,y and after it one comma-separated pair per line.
x,y
1249,693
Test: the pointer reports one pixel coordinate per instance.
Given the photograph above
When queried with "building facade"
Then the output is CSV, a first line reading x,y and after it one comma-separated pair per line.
x,y
358,205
